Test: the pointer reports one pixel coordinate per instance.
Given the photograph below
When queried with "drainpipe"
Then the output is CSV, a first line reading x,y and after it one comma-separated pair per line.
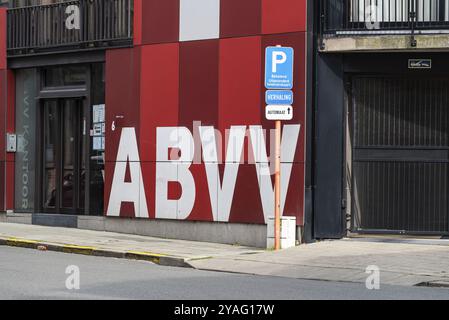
x,y
412,21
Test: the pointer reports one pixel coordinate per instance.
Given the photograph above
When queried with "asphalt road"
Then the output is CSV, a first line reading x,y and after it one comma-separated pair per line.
x,y
31,274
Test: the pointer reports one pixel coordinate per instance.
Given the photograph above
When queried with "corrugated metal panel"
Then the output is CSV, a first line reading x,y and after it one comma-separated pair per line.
x,y
400,154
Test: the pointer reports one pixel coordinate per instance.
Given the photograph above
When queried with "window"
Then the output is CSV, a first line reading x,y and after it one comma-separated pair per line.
x,y
65,76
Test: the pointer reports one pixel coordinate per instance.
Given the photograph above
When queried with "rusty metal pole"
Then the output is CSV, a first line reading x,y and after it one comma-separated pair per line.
x,y
277,188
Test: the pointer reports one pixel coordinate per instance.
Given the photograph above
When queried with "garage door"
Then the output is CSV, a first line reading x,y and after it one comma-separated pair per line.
x,y
400,154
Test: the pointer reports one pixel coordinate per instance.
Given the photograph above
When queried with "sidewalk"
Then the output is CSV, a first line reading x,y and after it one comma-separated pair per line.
x,y
161,251
400,262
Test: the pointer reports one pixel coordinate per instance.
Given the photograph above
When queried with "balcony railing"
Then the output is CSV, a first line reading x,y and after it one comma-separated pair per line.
x,y
37,29
374,17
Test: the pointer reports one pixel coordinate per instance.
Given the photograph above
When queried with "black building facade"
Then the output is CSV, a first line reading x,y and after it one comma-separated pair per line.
x,y
381,117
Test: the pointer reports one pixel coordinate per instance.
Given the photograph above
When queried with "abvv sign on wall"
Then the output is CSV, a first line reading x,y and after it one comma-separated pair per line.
x,y
192,141
178,152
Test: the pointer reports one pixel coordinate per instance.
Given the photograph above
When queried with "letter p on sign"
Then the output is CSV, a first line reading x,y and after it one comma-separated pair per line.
x,y
279,57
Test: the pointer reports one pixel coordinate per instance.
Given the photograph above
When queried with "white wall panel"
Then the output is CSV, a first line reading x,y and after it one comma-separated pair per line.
x,y
199,19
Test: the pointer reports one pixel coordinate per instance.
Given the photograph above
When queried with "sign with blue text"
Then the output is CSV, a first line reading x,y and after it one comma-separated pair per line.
x,y
279,97
279,68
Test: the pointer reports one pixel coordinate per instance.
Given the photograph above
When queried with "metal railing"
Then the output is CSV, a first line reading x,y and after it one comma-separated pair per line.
x,y
352,17
44,28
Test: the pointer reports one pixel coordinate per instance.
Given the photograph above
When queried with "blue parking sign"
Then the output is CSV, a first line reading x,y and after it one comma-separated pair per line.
x,y
279,68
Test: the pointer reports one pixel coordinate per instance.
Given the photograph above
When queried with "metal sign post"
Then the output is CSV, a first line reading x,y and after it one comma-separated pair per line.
x,y
277,189
279,99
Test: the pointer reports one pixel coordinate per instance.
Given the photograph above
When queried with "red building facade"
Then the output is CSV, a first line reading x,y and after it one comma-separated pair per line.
x,y
185,134
180,79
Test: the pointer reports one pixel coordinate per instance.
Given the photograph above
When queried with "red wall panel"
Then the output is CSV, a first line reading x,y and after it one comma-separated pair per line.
x,y
3,103
202,209
240,18
123,105
10,127
122,95
240,104
294,203
282,16
2,38
137,22
159,103
160,21
159,94
240,74
247,203
198,91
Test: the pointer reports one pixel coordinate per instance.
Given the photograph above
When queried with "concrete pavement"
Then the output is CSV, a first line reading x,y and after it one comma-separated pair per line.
x,y
32,274
400,262
406,263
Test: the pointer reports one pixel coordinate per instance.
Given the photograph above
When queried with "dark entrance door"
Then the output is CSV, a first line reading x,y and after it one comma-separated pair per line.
x,y
399,129
64,170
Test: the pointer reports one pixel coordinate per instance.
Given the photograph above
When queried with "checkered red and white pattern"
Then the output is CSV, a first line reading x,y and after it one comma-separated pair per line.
x,y
165,21
203,60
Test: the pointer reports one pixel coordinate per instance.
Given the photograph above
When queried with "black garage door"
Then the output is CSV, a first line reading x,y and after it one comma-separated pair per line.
x,y
400,154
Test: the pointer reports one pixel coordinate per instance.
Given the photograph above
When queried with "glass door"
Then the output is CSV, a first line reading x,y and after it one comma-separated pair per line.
x,y
50,140
64,167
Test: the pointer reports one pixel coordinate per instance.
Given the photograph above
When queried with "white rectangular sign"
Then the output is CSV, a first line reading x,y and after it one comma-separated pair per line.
x,y
98,113
279,112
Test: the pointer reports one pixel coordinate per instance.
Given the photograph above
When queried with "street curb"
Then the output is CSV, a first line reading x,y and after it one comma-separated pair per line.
x,y
160,259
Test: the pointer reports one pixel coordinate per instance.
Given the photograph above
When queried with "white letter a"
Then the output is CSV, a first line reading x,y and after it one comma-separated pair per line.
x,y
73,20
134,191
